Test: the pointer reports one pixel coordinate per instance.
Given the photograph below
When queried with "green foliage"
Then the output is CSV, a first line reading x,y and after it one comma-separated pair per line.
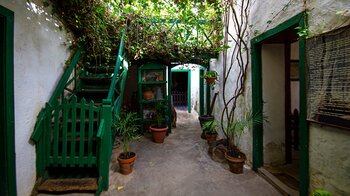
x,y
238,126
91,23
302,31
210,127
127,127
154,28
320,192
161,110
210,74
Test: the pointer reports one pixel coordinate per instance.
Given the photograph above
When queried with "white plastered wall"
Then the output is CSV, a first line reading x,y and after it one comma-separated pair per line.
x,y
273,70
39,57
244,102
324,15
328,146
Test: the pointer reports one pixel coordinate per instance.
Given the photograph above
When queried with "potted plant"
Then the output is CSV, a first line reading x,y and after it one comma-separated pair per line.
x,y
207,117
160,129
210,76
127,127
209,128
233,133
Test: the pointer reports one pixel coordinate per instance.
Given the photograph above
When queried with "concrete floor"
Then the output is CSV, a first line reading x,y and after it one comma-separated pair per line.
x,y
181,166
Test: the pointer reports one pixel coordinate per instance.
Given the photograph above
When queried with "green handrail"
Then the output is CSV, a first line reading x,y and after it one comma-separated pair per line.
x,y
120,57
55,96
63,81
111,105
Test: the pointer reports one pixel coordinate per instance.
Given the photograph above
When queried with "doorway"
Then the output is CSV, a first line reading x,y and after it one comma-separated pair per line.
x,y
180,89
280,158
276,90
7,144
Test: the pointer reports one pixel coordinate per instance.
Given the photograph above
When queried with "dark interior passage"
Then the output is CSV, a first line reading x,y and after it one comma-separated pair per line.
x,y
179,89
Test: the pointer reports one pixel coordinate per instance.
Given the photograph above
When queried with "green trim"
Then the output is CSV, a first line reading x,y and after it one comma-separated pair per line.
x,y
188,86
201,92
257,101
189,92
257,104
294,21
303,126
8,180
170,114
207,92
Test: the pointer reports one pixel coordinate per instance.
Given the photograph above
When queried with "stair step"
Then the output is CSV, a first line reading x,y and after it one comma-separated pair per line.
x,y
94,80
69,185
93,90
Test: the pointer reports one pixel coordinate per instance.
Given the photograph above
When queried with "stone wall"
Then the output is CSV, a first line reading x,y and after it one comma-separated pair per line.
x,y
39,57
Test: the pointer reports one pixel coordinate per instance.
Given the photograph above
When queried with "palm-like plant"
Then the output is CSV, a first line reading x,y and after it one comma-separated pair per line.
x,y
127,127
237,127
210,127
161,109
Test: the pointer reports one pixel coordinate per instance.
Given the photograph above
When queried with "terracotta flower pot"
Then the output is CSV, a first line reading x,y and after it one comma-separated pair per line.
x,y
235,163
202,119
210,80
158,134
147,95
126,165
211,137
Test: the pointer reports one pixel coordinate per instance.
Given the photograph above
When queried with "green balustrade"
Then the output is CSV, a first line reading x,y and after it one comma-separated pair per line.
x,y
73,133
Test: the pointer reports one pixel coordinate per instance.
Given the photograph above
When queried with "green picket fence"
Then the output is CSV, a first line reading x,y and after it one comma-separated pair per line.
x,y
75,133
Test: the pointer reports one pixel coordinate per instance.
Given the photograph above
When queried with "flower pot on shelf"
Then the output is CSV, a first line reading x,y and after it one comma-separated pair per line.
x,y
126,164
148,95
158,134
235,163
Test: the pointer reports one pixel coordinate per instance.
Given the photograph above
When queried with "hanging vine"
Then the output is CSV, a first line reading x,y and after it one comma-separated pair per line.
x,y
235,61
154,28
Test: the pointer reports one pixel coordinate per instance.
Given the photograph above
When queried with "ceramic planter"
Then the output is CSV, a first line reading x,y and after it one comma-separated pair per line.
x,y
126,165
158,134
202,119
210,80
147,95
235,163
211,137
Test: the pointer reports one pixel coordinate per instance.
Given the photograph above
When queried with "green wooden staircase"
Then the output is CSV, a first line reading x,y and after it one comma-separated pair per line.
x,y
73,133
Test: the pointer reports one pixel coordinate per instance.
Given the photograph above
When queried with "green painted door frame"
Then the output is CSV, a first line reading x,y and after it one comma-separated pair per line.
x,y
201,92
189,92
7,135
257,92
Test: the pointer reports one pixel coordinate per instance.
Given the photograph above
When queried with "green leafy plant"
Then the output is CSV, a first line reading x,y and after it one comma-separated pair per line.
x,y
128,128
237,127
211,74
320,192
154,28
302,31
210,127
161,109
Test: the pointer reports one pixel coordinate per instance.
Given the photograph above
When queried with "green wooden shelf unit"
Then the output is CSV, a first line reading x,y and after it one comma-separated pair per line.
x,y
152,89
